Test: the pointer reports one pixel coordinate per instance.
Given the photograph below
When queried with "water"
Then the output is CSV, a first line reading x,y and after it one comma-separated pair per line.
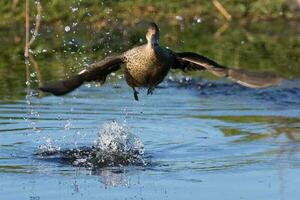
x,y
207,137
196,137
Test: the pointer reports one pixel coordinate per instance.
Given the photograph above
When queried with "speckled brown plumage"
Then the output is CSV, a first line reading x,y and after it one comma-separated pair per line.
x,y
148,64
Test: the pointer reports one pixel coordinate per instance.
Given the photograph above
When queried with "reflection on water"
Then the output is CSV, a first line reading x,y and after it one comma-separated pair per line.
x,y
276,127
113,178
251,46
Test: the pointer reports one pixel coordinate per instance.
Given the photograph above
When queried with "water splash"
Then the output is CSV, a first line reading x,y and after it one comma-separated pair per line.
x,y
116,139
48,148
114,146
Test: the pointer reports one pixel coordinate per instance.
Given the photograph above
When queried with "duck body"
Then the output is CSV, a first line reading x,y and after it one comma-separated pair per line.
x,y
147,65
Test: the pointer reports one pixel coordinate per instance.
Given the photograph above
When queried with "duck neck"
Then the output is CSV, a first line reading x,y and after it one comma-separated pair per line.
x,y
152,42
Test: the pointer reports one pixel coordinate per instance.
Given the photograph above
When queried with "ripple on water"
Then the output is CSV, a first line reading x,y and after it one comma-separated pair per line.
x,y
287,93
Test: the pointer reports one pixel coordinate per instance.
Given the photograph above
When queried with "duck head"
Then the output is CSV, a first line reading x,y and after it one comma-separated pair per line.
x,y
152,34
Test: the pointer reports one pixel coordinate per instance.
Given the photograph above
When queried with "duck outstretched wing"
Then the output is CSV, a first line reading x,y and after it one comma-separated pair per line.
x,y
94,72
188,61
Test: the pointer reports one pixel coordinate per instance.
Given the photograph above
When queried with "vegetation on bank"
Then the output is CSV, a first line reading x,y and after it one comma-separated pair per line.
x,y
128,11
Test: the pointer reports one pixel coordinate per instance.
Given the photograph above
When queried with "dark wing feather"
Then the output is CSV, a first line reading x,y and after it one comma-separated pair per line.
x,y
95,72
248,79
98,71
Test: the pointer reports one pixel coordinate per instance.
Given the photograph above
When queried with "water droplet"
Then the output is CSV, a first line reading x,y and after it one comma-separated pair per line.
x,y
32,75
67,125
67,28
88,85
120,76
198,20
74,9
108,10
179,18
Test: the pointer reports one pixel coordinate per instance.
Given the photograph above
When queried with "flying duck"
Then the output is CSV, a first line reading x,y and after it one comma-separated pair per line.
x,y
147,66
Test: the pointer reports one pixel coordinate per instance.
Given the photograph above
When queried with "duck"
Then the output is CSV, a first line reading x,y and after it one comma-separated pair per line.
x,y
147,65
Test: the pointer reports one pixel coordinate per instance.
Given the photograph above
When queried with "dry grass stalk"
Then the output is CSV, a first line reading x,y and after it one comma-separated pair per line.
x,y
28,42
221,9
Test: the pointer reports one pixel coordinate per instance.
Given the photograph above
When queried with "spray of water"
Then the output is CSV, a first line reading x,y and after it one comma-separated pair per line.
x,y
48,148
116,139
114,146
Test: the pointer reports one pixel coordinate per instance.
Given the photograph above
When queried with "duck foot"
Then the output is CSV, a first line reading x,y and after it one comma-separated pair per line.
x,y
150,91
135,94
